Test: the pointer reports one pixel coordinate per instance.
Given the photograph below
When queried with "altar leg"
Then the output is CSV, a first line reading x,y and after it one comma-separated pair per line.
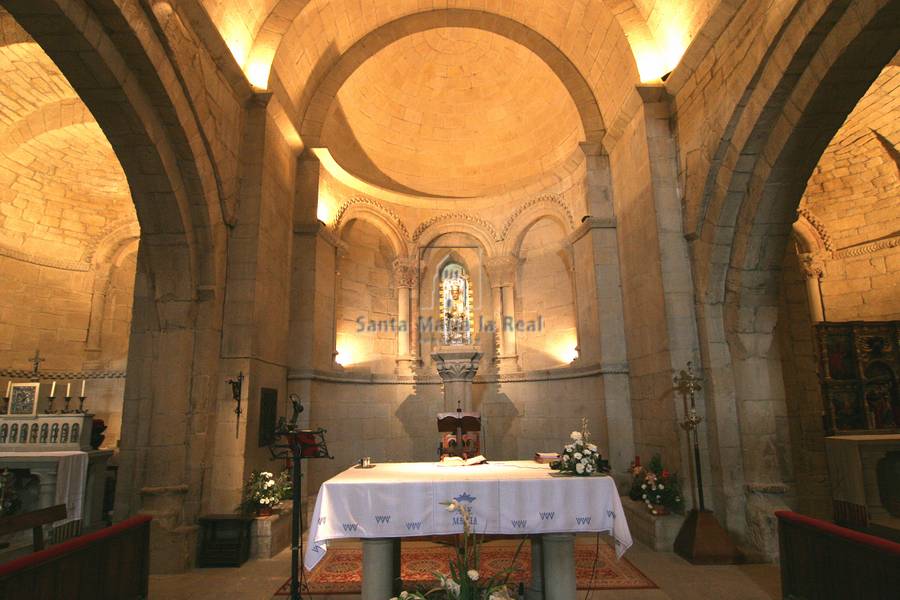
x,y
380,568
559,566
535,589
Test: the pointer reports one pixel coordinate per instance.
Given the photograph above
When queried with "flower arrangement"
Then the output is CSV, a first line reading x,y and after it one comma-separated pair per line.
x,y
464,582
581,457
656,486
264,491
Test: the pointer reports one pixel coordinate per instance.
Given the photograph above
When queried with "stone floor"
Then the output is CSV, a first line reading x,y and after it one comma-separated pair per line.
x,y
676,578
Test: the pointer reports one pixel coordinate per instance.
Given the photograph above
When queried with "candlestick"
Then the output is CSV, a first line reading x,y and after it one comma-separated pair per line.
x,y
81,400
49,410
68,399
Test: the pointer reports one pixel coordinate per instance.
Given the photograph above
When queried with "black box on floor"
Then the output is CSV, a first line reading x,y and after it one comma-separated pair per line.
x,y
224,540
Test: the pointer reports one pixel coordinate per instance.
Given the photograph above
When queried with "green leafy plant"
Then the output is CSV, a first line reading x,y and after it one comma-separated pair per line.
x,y
264,490
656,486
464,582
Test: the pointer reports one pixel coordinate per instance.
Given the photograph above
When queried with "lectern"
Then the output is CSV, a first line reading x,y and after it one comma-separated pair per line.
x,y
297,444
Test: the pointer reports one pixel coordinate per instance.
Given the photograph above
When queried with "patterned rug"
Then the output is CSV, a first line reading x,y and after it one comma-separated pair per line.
x,y
340,572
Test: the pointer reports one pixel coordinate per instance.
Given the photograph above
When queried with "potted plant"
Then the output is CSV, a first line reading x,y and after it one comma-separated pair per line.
x,y
656,486
264,491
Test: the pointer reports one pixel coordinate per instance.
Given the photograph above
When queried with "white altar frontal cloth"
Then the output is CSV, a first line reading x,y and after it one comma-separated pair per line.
x,y
509,497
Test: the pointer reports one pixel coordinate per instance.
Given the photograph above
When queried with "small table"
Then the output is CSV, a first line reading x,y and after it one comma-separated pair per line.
x,y
396,500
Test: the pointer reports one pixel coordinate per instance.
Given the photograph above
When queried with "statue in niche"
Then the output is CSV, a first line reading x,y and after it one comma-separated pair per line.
x,y
456,305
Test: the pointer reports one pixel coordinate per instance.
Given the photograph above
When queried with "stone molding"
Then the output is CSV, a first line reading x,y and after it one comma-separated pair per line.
x,y
562,373
23,374
818,226
867,248
460,217
63,265
589,223
386,213
551,199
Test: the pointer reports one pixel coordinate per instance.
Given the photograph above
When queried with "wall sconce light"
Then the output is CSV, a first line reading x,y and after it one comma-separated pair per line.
x,y
237,385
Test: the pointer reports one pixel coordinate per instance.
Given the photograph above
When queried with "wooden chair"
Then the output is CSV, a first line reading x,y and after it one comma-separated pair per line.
x,y
461,433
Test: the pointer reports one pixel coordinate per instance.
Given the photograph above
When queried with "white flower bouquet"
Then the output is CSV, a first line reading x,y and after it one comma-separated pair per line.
x,y
580,457
464,582
264,491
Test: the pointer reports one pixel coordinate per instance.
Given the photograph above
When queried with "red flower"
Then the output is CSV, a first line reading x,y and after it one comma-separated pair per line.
x,y
665,474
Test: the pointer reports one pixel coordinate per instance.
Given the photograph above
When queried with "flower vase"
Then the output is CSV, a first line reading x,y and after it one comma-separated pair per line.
x,y
264,511
659,510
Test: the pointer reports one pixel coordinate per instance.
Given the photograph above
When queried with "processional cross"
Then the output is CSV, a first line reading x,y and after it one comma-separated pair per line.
x,y
687,384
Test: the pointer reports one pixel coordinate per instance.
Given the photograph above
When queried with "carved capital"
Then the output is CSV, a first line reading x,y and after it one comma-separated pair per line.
x,y
457,365
501,270
812,265
406,272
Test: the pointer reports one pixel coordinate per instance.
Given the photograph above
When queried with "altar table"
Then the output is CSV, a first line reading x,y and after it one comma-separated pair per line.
x,y
395,500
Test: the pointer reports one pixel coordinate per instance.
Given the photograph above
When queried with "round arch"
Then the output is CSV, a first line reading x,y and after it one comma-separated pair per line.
x,y
528,215
746,223
386,222
314,114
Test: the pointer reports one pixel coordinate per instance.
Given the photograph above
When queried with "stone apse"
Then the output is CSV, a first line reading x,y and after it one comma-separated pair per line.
x,y
265,190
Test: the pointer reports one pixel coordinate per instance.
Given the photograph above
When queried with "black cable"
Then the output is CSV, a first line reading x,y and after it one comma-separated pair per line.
x,y
593,568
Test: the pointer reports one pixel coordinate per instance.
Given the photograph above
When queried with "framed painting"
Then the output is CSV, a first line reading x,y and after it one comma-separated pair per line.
x,y
23,398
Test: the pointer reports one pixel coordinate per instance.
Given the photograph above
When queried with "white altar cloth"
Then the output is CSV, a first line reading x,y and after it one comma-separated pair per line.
x,y
509,497
71,478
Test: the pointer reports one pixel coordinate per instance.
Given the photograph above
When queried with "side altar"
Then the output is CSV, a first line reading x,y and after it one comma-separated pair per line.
x,y
47,459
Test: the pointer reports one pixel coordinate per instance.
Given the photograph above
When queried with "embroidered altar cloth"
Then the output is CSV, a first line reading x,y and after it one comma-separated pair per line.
x,y
509,497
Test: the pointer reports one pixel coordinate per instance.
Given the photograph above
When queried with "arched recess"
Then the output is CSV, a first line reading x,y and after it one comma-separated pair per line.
x,y
545,290
530,213
463,223
366,295
173,350
798,103
322,97
385,220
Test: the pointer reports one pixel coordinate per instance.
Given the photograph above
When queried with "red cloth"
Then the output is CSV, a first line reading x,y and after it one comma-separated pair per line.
x,y
865,539
81,541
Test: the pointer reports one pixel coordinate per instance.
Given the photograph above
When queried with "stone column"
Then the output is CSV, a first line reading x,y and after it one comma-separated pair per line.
x,y
502,273
559,566
601,315
813,269
457,366
405,277
379,568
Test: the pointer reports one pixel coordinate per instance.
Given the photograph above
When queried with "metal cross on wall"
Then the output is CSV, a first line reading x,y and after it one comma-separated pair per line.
x,y
36,361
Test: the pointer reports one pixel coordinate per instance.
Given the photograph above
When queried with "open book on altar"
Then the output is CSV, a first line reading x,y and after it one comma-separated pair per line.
x,y
457,461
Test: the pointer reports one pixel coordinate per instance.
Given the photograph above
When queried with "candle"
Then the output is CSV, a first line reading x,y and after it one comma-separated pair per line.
x,y
69,390
9,388
53,390
83,381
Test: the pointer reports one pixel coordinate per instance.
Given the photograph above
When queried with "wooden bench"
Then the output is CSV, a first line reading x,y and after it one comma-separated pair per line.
x,y
824,561
34,520
109,564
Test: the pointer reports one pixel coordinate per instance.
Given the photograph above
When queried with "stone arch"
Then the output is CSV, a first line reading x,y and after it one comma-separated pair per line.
x,y
810,235
314,114
463,223
174,343
386,221
104,259
752,195
529,214
48,117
